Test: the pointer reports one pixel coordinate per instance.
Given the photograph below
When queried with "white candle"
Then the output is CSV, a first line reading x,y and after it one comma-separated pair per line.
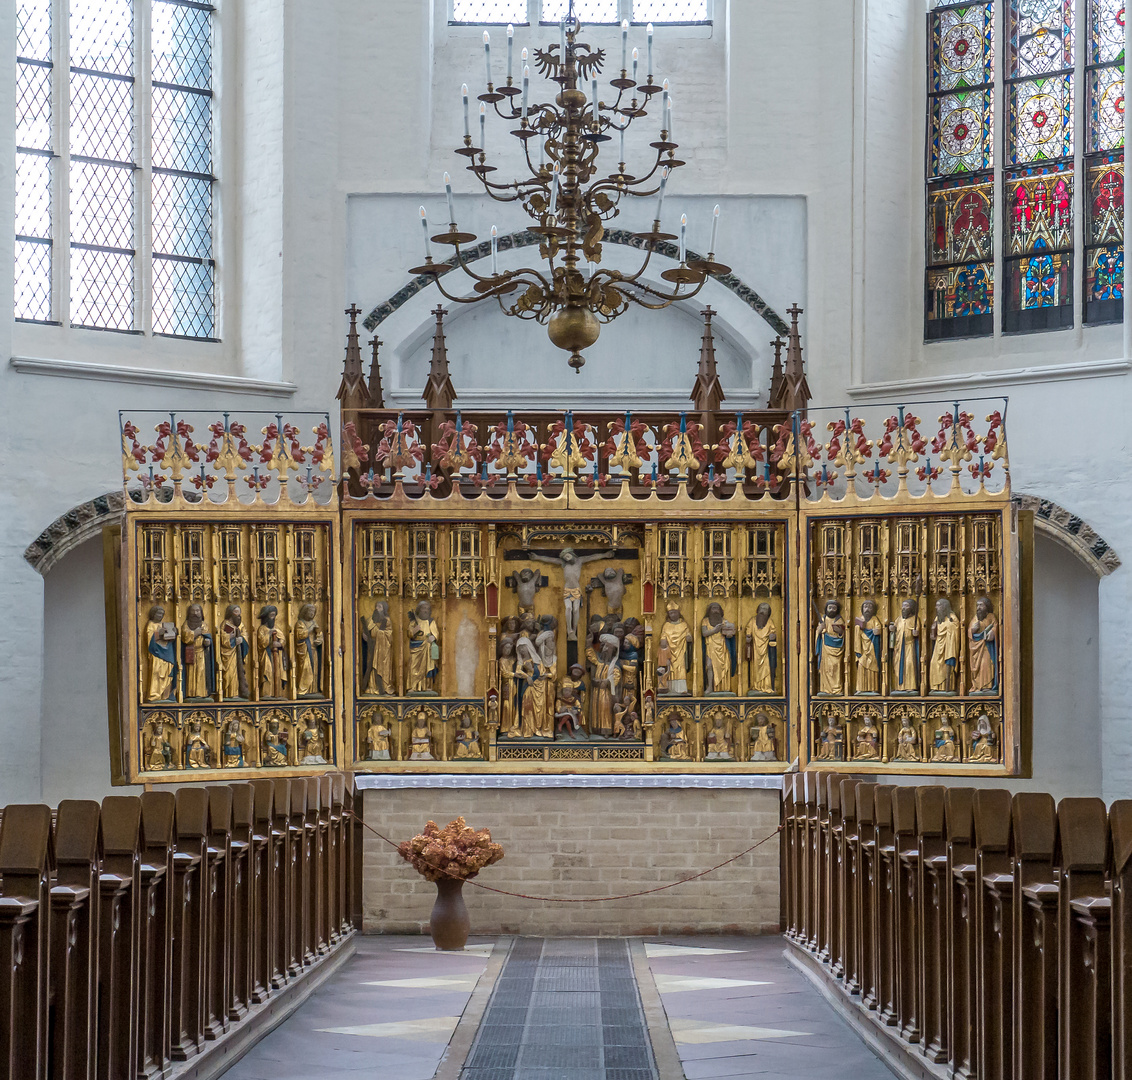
x,y
487,55
593,92
664,105
562,55
624,42
648,30
636,55
526,86
683,235
541,153
427,243
464,93
510,48
668,121
714,228
483,125
494,241
663,185
448,192
554,191
621,138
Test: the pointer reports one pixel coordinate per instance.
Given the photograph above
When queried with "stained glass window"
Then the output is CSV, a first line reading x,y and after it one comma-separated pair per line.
x,y
34,160
1104,164
959,285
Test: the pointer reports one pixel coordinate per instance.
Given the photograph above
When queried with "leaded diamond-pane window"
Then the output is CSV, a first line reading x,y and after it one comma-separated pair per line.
x,y
587,11
659,11
489,11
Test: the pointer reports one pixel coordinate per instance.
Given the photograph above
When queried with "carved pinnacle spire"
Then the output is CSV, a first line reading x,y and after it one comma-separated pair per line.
x,y
439,392
352,390
794,392
776,372
707,392
376,393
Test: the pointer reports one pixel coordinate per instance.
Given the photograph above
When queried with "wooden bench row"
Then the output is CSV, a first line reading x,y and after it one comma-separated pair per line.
x,y
135,932
992,932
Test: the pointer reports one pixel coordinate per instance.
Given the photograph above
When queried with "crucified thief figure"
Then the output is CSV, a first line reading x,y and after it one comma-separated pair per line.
x,y
571,564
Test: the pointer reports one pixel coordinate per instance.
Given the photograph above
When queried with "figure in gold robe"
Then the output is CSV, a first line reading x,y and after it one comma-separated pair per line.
x,y
606,686
467,743
308,654
160,752
311,742
233,649
508,688
275,749
570,701
943,743
829,648
762,652
907,741
946,635
534,708
196,656
232,744
675,742
904,642
868,741
718,742
422,740
197,753
377,645
982,637
831,741
273,660
764,746
984,745
160,655
867,635
424,651
720,661
676,642
377,741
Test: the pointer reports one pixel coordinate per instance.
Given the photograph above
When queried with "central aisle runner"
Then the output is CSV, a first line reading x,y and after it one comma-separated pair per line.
x,y
567,1009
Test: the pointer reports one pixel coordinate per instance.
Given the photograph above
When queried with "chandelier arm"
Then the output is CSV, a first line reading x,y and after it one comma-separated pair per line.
x,y
456,299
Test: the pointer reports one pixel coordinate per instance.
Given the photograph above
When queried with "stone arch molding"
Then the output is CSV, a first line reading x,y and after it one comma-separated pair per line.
x,y
86,521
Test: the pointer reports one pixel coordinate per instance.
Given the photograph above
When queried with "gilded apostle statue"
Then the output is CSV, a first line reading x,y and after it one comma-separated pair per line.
x,y
159,638
606,686
508,688
467,742
762,652
311,744
867,742
944,747
829,648
675,652
945,635
984,745
273,660
763,743
717,745
378,737
907,741
675,742
196,656
424,651
570,701
831,741
233,649
868,632
275,748
308,654
982,638
232,743
719,651
197,752
377,651
904,643
421,748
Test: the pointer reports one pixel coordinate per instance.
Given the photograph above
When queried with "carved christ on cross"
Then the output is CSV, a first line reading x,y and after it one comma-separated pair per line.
x,y
571,564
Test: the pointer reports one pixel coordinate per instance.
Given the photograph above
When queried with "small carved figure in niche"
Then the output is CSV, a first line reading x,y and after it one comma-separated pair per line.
x,y
508,688
378,737
606,686
719,651
232,743
311,741
943,743
546,644
422,739
868,741
526,584
982,636
377,651
570,701
904,644
492,711
273,660
571,564
984,743
424,650
197,752
907,741
945,635
631,634
161,655
467,742
675,743
621,728
612,581
308,654
160,751
275,745
196,656
648,717
764,745
718,743
831,741
676,644
867,635
829,648
532,687
762,652
510,626
233,655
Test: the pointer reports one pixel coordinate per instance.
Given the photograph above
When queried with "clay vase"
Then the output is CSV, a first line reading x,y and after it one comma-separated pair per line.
x,y
450,922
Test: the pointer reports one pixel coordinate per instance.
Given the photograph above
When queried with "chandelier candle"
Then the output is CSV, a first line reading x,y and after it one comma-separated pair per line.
x,y
597,117
487,55
467,126
448,193
526,86
624,42
648,31
660,197
714,229
664,105
483,125
427,242
683,236
510,49
636,57
494,242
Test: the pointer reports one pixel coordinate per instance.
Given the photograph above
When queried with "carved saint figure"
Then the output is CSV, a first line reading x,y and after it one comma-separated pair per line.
x,y
831,741
718,742
273,661
675,743
196,656
606,686
719,649
982,636
467,743
508,688
868,741
907,741
197,753
570,701
943,743
424,650
422,741
632,637
945,635
377,642
161,655
232,743
527,583
160,752
829,648
233,647
571,564
310,740
377,741
764,746
904,642
984,744
275,747
676,650
534,690
867,635
762,652
308,654
612,582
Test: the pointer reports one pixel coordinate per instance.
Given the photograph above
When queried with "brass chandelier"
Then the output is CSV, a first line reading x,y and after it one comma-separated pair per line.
x,y
566,197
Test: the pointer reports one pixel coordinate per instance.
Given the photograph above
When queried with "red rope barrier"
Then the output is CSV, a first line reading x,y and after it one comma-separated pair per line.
x,y
580,899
